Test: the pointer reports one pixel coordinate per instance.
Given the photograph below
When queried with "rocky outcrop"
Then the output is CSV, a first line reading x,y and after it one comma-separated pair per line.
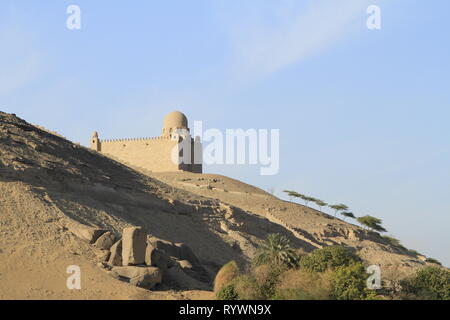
x,y
84,232
116,254
144,277
105,241
145,261
134,243
157,258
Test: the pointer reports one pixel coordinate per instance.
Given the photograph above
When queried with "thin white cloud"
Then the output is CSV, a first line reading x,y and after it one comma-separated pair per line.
x,y
289,34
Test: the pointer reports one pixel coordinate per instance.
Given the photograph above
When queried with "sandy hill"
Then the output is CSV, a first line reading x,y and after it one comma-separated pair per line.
x,y
48,185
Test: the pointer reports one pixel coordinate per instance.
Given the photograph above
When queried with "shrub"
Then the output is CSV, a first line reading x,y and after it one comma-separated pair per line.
x,y
276,250
350,283
247,288
431,260
328,258
259,283
303,285
267,278
225,275
429,283
228,292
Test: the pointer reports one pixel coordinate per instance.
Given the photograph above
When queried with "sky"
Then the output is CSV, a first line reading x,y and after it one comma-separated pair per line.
x,y
363,114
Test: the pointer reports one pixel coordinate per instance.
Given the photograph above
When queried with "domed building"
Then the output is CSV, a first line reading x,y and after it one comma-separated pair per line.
x,y
174,150
174,121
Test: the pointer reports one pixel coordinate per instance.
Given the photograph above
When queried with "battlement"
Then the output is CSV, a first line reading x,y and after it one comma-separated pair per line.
x,y
135,139
153,153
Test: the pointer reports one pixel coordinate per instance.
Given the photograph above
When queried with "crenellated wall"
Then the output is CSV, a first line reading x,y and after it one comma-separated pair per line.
x,y
153,154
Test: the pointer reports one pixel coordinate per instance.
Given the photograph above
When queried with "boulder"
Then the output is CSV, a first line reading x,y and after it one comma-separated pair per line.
x,y
105,241
102,255
157,258
84,232
144,277
134,243
177,279
177,250
116,254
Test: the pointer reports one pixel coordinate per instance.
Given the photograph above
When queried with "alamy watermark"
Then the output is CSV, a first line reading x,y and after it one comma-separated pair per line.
x,y
374,280
73,21
74,280
374,20
232,147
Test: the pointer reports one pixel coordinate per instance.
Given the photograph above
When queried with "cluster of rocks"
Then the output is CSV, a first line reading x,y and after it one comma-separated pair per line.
x,y
142,260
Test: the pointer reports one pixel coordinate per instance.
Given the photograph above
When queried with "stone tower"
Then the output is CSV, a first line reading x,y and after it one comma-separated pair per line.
x,y
95,141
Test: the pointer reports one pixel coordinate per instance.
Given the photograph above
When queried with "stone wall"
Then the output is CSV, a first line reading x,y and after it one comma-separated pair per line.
x,y
153,154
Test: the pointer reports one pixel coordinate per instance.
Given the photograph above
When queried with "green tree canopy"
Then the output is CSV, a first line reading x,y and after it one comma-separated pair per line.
x,y
326,258
430,283
371,223
320,203
348,214
338,207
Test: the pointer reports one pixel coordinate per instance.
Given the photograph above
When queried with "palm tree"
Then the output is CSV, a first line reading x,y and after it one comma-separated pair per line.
x,y
372,223
338,207
320,204
277,250
347,214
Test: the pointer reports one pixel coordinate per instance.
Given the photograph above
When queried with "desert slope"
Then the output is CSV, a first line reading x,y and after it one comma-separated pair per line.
x,y
47,184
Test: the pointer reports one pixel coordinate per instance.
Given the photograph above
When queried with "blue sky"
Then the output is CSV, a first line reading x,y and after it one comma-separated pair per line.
x,y
363,115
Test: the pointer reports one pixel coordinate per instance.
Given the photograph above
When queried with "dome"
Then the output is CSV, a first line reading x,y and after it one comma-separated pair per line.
x,y
175,120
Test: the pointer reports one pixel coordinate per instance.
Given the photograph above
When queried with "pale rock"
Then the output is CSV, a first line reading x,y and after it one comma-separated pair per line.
x,y
105,241
115,258
134,243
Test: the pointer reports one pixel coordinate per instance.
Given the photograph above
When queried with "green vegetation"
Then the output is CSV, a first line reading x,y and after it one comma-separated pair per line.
x,y
291,194
320,203
227,293
297,284
348,214
277,272
393,242
308,199
372,223
429,283
328,258
276,250
432,260
349,283
331,273
338,207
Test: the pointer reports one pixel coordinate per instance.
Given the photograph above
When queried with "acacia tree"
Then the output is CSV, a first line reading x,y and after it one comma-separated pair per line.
x,y
320,204
308,200
372,223
299,195
348,214
338,207
290,193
